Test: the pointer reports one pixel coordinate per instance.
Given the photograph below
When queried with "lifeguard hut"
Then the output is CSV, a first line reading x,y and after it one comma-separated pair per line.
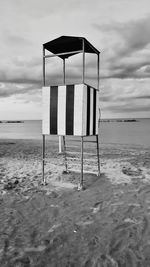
x,y
70,109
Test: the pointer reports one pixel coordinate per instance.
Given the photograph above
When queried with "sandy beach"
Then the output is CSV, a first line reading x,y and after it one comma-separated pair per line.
x,y
107,224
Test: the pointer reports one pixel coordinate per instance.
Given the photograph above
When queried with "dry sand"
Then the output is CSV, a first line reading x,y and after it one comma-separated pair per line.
x,y
106,225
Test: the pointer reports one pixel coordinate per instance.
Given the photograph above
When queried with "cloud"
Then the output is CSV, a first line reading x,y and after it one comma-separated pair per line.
x,y
20,77
128,108
21,70
16,40
143,97
37,9
126,96
133,35
129,43
11,89
128,69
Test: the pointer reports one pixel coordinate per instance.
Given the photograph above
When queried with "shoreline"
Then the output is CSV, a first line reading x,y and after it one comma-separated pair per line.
x,y
119,120
12,121
55,139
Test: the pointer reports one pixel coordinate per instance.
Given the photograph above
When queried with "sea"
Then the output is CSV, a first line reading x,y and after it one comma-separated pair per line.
x,y
136,132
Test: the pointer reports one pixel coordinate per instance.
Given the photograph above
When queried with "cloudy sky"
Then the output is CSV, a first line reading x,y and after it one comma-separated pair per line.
x,y
120,29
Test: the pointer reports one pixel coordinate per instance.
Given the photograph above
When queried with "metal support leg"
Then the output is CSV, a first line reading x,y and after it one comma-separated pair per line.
x,y
60,144
65,158
43,159
80,186
98,161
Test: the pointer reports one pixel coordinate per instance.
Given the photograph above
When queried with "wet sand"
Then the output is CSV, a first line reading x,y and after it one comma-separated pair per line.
x,y
107,224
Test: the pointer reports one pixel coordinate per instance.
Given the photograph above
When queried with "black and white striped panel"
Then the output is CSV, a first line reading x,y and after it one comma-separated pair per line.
x,y
70,110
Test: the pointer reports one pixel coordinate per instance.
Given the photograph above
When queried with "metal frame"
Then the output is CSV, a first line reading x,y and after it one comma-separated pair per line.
x,y
83,51
80,185
43,143
43,159
64,71
63,54
98,70
65,158
71,53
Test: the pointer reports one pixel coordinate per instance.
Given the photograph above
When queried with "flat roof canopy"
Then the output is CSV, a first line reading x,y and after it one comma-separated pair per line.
x,y
69,44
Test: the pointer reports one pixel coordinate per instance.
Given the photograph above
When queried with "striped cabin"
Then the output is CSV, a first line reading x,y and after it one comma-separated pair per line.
x,y
70,110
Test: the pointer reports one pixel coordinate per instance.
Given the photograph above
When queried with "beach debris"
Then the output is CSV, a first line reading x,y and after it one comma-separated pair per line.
x,y
35,249
54,227
65,172
84,223
131,170
117,203
131,220
26,197
9,186
97,206
16,181
54,206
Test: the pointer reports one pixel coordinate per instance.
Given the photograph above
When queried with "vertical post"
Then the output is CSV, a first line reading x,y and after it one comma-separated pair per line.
x,y
64,81
60,144
64,75
43,144
43,66
64,72
80,185
83,73
65,158
98,66
97,139
98,162
43,159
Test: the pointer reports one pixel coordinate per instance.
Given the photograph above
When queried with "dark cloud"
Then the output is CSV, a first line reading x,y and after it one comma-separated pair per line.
x,y
135,35
10,89
142,97
127,58
126,74
147,69
129,67
25,71
19,78
21,71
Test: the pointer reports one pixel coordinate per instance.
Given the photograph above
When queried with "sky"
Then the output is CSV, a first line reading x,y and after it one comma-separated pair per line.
x,y
119,29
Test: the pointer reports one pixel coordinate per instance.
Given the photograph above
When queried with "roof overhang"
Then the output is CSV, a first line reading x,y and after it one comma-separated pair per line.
x,y
68,44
